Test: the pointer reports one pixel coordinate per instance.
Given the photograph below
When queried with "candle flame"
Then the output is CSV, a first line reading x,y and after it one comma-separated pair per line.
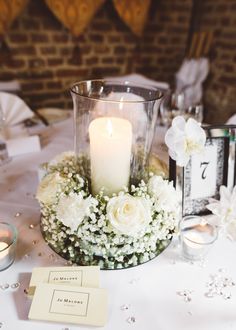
x,y
109,127
203,222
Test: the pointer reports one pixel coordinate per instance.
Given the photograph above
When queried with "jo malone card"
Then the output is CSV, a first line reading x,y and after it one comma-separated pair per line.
x,y
87,276
69,304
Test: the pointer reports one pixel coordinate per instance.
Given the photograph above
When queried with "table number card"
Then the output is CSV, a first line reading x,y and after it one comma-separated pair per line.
x,y
204,174
69,304
85,276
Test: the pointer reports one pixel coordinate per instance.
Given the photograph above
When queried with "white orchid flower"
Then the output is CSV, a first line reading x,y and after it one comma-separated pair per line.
x,y
225,210
184,139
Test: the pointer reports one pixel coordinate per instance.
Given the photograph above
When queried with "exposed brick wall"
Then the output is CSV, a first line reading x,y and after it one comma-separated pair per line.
x,y
220,89
46,58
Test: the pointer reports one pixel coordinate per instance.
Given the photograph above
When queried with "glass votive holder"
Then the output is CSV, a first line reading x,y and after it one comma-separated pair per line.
x,y
8,238
195,112
196,237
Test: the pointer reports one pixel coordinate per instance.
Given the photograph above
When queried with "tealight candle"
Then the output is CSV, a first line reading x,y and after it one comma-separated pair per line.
x,y
3,249
110,154
196,236
8,237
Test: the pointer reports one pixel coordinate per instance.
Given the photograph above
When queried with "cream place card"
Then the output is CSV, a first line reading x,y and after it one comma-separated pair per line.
x,y
23,145
85,276
69,304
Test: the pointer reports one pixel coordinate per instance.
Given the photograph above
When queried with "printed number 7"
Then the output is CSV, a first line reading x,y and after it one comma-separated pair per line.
x,y
204,164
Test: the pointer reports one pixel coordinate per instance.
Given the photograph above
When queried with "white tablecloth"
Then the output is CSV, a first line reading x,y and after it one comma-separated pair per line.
x,y
150,290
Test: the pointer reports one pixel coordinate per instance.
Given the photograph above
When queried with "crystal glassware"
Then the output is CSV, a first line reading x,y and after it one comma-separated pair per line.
x,y
196,237
195,112
172,105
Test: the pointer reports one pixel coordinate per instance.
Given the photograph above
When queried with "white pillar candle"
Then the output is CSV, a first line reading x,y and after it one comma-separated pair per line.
x,y
110,154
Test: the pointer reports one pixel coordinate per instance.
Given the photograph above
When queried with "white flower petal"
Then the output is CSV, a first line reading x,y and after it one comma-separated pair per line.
x,y
179,145
225,210
182,159
230,230
195,132
172,154
178,123
215,208
224,195
170,137
184,139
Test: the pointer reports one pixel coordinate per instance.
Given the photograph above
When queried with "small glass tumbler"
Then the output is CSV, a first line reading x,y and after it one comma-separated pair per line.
x,y
8,238
171,106
196,237
195,112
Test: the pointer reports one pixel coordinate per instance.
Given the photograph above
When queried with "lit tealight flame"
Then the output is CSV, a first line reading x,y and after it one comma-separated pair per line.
x,y
203,222
109,128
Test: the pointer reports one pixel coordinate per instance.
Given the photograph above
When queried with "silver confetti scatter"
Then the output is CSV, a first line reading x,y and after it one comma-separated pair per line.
x,y
124,307
17,214
131,320
15,285
26,290
186,294
134,280
219,285
210,294
221,270
187,299
227,296
26,256
31,226
5,286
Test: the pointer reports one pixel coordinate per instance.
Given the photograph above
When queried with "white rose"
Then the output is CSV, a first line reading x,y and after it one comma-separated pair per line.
x,y
72,209
164,193
129,214
63,157
49,186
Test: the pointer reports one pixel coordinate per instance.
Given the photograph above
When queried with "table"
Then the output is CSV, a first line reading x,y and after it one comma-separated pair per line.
x,y
150,290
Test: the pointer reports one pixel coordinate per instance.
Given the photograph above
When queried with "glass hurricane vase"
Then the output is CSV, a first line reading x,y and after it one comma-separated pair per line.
x,y
114,126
